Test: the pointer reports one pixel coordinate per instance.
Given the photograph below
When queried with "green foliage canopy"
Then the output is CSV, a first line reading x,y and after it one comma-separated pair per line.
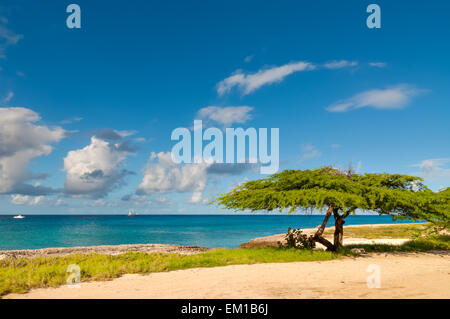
x,y
401,196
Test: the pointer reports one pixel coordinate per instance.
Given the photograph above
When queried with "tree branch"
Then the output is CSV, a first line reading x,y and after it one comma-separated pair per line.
x,y
348,212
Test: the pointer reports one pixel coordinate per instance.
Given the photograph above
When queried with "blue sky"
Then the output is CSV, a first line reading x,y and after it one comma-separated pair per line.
x,y
94,103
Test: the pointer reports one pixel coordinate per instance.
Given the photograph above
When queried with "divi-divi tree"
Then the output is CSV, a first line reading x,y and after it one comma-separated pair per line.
x,y
340,193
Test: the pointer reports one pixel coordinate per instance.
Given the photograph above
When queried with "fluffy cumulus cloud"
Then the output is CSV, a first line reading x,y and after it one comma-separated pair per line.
x,y
226,115
162,175
96,169
384,99
22,139
165,176
248,83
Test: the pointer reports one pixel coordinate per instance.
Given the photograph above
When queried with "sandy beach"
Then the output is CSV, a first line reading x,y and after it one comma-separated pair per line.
x,y
403,275
274,240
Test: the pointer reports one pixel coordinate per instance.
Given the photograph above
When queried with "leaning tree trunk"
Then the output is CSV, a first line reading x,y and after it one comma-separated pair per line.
x,y
338,231
317,237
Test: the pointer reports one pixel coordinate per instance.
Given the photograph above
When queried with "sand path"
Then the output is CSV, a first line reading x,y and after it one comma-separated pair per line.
x,y
403,275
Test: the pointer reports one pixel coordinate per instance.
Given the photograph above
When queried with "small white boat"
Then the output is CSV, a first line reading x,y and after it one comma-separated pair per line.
x,y
19,216
131,213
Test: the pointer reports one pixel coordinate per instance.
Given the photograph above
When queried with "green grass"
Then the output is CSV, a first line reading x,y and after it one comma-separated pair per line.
x,y
418,245
20,275
373,232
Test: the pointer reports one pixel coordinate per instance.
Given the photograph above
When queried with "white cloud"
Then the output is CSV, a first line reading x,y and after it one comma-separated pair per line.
x,y
8,97
27,200
36,200
335,146
72,120
378,64
251,82
248,58
310,151
95,170
391,98
434,170
165,176
162,175
20,141
60,202
226,115
340,64
195,198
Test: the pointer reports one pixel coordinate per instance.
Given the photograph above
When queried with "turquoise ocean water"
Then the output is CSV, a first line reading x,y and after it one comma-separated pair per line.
x,y
40,231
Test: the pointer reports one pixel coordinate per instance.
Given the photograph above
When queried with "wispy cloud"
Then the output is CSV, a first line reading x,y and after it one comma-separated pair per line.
x,y
144,201
390,98
40,200
71,120
378,64
335,146
7,37
27,200
8,97
249,82
226,115
309,151
248,58
340,64
434,169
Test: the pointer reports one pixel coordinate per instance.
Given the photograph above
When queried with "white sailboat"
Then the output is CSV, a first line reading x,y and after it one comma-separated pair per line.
x,y
131,213
19,216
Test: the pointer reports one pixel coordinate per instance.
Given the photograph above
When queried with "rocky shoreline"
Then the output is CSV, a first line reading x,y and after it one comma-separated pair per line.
x,y
107,249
